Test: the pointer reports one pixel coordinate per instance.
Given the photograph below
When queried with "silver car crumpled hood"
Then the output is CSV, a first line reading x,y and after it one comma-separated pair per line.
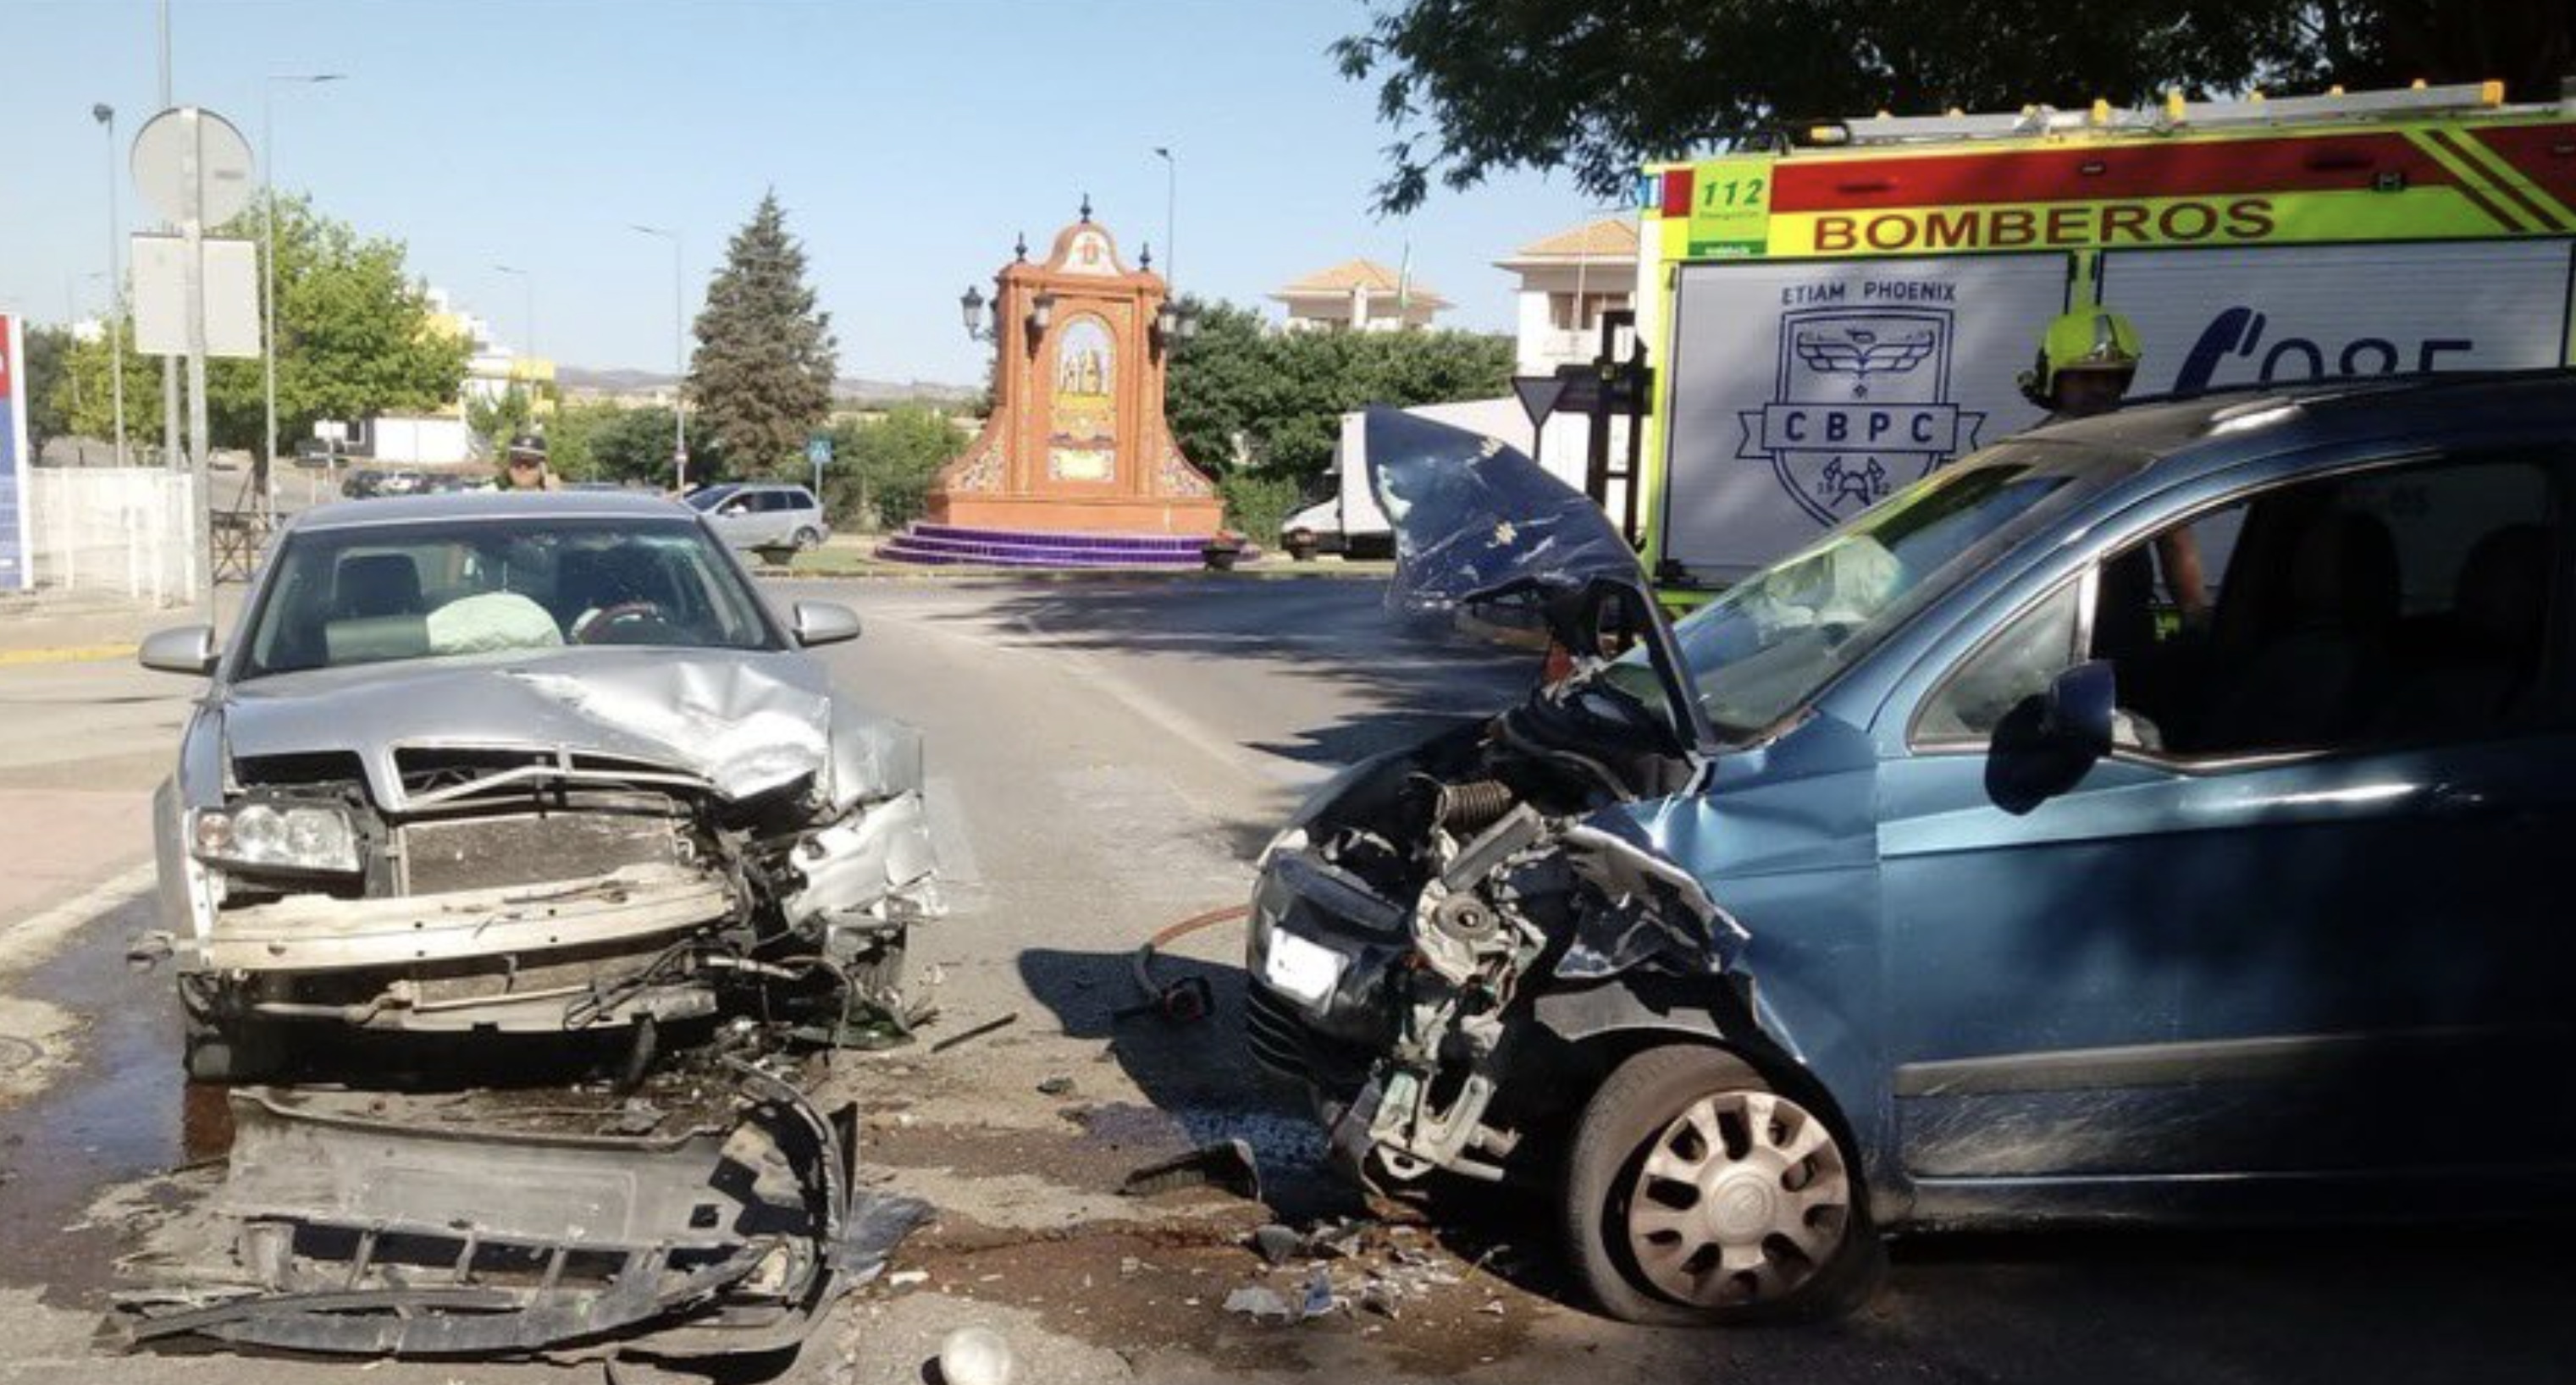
x,y
746,722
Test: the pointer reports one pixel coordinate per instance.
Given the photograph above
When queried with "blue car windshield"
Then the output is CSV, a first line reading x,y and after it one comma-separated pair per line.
x,y
1771,643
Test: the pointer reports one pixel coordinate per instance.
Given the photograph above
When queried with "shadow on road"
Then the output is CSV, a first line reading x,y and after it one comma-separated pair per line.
x,y
1195,1075
1422,673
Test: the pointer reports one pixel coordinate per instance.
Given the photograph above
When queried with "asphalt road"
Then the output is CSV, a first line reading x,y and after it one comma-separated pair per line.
x,y
1106,757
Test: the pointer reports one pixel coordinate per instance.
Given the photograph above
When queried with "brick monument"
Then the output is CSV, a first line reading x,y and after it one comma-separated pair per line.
x,y
1076,466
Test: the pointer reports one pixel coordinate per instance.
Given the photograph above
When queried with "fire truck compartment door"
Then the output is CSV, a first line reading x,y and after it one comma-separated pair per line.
x,y
1804,391
2257,315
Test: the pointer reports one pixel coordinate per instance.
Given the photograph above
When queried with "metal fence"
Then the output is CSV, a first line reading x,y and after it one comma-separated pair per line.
x,y
127,530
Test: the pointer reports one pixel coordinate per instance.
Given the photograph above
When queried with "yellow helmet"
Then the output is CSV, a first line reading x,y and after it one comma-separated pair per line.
x,y
2084,339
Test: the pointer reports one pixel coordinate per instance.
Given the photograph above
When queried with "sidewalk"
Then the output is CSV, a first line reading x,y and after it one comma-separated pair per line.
x,y
85,735
48,626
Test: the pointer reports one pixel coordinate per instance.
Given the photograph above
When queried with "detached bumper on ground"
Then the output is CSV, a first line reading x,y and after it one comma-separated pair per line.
x,y
378,1225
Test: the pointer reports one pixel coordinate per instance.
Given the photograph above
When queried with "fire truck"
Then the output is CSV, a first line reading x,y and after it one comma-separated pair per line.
x,y
1831,319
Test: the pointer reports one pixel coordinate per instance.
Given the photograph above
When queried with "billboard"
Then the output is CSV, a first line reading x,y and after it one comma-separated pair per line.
x,y
17,571
2210,319
1803,392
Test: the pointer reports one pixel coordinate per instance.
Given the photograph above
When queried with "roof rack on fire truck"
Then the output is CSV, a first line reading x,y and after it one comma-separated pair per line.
x,y
2173,114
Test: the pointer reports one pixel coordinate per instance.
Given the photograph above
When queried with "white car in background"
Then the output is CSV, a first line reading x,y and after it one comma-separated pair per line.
x,y
762,515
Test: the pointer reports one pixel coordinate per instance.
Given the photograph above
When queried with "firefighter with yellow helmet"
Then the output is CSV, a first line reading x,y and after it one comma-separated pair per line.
x,y
2087,359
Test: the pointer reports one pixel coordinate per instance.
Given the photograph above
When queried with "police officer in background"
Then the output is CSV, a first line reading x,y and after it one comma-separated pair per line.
x,y
2088,358
525,468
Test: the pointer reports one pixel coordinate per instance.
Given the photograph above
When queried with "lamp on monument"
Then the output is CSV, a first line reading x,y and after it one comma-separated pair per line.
x,y
1178,320
1041,312
971,305
1174,323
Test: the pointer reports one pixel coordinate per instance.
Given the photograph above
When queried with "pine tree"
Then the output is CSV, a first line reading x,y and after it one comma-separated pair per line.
x,y
761,380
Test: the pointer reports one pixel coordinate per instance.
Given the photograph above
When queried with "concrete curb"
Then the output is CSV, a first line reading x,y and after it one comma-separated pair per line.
x,y
67,654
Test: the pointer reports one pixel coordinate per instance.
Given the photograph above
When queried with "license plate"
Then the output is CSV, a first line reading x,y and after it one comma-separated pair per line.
x,y
1302,969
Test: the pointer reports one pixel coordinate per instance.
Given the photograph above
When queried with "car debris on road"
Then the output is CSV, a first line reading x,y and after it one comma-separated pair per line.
x,y
381,1224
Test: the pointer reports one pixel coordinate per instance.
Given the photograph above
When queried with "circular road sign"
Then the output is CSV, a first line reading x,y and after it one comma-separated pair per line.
x,y
187,141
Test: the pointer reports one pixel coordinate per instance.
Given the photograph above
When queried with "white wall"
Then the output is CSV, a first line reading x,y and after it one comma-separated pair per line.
x,y
128,530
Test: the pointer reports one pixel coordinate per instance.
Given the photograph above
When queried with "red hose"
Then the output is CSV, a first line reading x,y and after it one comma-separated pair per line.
x,y
1144,961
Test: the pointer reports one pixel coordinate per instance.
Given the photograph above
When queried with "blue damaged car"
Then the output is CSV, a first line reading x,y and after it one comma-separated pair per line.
x,y
2153,817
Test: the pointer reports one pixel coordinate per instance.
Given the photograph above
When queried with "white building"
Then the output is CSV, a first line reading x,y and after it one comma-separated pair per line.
x,y
1358,296
1568,280
493,368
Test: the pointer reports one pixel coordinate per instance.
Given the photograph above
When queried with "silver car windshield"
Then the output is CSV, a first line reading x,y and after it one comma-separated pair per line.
x,y
378,593
1772,642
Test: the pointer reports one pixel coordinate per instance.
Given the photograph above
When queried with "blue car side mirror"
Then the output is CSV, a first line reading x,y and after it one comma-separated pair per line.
x,y
2047,744
2078,709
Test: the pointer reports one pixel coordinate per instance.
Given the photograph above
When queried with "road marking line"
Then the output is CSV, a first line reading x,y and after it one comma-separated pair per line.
x,y
31,939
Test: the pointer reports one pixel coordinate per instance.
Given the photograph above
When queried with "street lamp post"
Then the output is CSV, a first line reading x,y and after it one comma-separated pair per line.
x,y
1171,204
679,362
528,283
71,322
268,262
105,115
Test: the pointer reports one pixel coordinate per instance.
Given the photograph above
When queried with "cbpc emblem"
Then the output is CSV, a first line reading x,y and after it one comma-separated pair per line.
x,y
1861,407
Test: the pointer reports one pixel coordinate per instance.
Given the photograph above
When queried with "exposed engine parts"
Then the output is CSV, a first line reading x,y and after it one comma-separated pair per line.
x,y
1444,887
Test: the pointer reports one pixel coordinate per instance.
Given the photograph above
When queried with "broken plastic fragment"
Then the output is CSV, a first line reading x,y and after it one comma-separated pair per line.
x,y
977,1356
1258,1303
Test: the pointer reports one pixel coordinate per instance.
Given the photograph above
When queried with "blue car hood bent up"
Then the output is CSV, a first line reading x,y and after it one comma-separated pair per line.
x,y
1476,520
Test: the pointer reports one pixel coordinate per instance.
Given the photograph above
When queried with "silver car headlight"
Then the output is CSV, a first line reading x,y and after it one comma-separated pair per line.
x,y
278,836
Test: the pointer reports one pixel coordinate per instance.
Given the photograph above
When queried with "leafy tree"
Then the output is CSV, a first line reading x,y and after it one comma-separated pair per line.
x,y
572,433
355,338
762,373
1281,395
51,387
83,398
355,335
498,418
882,468
1596,87
617,444
1216,375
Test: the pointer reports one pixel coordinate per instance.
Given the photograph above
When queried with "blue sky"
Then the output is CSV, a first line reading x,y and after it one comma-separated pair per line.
x,y
909,142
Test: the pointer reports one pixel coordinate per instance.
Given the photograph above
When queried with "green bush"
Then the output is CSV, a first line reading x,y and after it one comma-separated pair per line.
x,y
1281,395
1257,504
882,467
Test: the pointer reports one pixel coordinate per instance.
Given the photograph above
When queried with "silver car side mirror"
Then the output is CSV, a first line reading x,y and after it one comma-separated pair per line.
x,y
824,622
189,649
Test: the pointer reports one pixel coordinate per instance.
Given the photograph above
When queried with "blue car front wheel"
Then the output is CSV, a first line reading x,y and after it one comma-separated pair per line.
x,y
1697,1194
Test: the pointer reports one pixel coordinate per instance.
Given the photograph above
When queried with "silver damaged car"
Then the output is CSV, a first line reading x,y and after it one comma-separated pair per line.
x,y
524,764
